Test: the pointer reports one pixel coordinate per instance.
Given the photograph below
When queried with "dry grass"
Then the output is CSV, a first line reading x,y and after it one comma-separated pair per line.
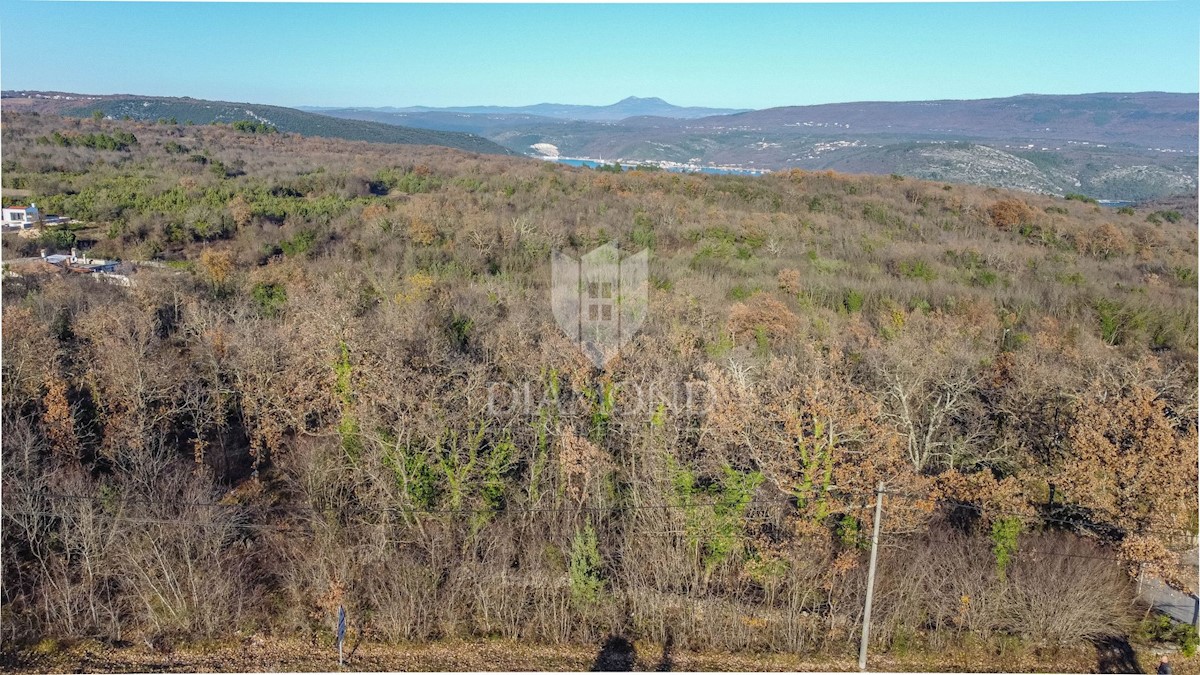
x,y
271,655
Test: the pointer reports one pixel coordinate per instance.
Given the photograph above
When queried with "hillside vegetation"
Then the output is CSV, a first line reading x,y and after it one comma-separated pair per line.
x,y
346,386
288,120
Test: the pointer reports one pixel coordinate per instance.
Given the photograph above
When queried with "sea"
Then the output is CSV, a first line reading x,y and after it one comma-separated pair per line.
x,y
593,163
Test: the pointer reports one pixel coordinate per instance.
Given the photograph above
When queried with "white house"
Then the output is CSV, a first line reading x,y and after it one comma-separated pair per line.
x,y
21,217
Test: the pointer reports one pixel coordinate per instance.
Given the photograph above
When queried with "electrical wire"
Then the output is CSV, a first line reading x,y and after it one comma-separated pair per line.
x,y
858,508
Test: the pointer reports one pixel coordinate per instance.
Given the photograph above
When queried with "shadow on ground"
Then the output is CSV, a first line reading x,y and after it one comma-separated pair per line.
x,y
617,655
1115,655
665,664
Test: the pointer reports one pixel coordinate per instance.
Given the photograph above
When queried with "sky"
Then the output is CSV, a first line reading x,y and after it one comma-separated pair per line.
x,y
741,56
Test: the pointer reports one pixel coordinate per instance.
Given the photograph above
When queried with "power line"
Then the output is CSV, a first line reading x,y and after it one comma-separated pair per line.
x,y
152,521
468,510
135,500
1021,550
285,527
1045,519
854,507
789,499
393,510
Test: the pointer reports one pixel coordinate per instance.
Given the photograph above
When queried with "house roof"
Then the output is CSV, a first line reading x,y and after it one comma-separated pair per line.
x,y
16,207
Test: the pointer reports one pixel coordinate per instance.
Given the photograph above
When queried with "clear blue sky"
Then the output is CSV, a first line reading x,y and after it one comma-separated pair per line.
x,y
750,56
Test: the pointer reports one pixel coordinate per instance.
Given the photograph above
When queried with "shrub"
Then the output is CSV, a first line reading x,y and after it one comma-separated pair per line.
x,y
57,238
254,127
270,297
879,214
661,282
422,232
1104,242
643,231
1160,628
719,347
584,571
1117,322
984,278
762,313
300,244
853,301
823,265
419,179
120,140
1004,542
1170,216
459,330
739,293
917,269
1009,213
789,281
713,510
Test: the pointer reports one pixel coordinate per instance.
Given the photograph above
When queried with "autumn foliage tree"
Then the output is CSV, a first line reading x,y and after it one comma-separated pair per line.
x,y
1131,460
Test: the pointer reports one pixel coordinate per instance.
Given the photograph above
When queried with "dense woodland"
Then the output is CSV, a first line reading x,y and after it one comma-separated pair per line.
x,y
343,385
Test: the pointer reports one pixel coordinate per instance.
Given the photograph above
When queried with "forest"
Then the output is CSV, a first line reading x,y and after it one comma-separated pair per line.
x,y
335,381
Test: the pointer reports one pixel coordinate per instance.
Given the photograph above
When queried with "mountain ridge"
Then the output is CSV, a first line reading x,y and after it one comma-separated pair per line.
x,y
204,111
1109,145
630,106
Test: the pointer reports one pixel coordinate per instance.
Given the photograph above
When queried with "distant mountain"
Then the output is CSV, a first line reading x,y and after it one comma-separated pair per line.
x,y
199,111
1108,146
1153,119
472,123
623,109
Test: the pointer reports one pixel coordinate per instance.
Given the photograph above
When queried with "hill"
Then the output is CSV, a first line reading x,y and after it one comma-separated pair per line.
x,y
342,375
1108,146
197,111
1149,119
483,124
632,106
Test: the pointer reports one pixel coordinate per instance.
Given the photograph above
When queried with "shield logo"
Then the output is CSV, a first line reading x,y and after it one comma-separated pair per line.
x,y
599,301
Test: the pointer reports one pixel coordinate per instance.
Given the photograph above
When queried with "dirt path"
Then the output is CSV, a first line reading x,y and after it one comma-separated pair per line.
x,y
271,655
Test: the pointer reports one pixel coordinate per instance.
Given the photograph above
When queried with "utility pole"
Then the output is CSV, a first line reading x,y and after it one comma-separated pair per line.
x,y
866,629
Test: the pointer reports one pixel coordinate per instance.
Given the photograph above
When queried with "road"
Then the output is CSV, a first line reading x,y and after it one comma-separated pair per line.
x,y
1178,605
1183,607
